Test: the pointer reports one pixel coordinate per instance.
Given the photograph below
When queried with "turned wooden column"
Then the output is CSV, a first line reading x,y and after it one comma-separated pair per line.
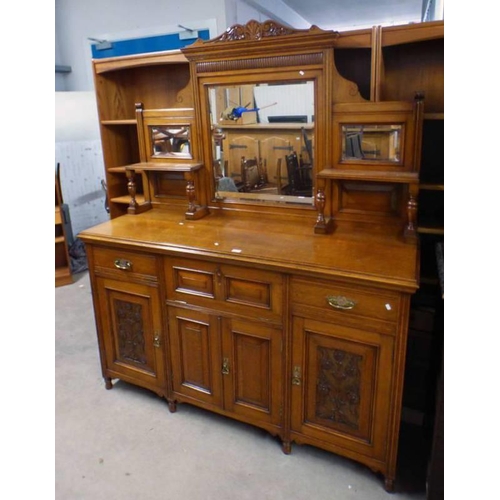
x,y
410,232
323,226
193,211
190,193
132,191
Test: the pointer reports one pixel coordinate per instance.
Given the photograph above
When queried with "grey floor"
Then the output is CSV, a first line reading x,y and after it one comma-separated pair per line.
x,y
124,443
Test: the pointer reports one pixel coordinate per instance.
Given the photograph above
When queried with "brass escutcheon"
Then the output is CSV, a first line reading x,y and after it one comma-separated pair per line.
x,y
225,366
156,340
296,379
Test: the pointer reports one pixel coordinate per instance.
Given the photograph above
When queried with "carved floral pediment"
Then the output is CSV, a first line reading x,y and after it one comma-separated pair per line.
x,y
254,30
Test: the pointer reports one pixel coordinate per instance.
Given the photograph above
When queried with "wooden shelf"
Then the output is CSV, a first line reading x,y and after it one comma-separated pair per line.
x,y
138,60
165,167
63,276
272,126
369,175
431,230
431,187
62,260
126,121
125,200
117,170
411,33
433,116
427,280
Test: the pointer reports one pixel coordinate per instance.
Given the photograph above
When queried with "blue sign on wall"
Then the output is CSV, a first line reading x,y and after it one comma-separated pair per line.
x,y
147,44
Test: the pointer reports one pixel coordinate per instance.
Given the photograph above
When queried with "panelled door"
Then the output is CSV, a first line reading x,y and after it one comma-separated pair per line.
x,y
196,359
341,384
252,370
132,331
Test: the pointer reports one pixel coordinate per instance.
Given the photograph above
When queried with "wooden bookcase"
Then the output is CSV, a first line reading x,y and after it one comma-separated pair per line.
x,y
157,81
411,59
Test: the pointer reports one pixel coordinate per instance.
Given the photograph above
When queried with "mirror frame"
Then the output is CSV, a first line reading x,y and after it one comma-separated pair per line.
x,y
171,117
376,113
265,53
277,77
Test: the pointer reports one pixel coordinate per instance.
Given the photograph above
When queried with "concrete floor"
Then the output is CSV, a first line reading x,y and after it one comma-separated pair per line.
x,y
124,443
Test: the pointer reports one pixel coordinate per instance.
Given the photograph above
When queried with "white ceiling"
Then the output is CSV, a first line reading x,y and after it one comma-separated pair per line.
x,y
336,14
341,15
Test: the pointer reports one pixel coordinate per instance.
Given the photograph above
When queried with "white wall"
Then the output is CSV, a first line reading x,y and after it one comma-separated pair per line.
x,y
78,150
76,20
77,139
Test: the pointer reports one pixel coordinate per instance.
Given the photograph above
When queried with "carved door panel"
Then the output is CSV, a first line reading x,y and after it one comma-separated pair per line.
x,y
196,360
252,370
132,331
341,383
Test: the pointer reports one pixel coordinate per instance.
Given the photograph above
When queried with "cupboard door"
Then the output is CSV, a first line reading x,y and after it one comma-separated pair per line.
x,y
132,331
252,370
196,360
341,382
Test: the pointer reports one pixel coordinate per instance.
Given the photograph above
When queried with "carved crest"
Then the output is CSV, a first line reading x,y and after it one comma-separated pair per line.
x,y
254,30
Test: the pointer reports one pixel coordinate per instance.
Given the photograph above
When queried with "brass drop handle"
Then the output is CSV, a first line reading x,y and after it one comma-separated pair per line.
x,y
156,340
340,302
225,366
124,264
296,379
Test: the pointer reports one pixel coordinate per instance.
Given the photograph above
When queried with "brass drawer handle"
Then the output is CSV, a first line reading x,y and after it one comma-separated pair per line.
x,y
124,264
340,302
225,366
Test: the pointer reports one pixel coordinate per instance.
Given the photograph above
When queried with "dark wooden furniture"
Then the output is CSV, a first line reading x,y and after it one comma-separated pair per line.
x,y
63,264
286,312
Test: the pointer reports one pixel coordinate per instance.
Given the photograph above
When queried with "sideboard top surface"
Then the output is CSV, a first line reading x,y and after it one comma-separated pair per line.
x,y
282,244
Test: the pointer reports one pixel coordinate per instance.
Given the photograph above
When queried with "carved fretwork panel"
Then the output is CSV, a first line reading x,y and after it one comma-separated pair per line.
x,y
254,30
130,331
341,381
338,387
340,384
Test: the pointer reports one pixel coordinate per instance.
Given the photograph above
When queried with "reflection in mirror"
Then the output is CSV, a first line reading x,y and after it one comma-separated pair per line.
x,y
263,142
371,142
170,141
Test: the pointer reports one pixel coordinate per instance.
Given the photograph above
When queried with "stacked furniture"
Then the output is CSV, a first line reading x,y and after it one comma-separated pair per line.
x,y
63,265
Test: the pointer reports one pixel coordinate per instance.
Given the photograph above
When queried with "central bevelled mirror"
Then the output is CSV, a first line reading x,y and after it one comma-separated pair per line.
x,y
263,141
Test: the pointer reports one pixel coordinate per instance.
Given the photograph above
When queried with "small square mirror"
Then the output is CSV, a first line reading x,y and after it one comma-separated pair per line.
x,y
379,142
170,141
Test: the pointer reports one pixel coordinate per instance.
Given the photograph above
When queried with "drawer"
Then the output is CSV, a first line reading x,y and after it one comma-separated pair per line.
x,y
346,300
124,261
228,288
